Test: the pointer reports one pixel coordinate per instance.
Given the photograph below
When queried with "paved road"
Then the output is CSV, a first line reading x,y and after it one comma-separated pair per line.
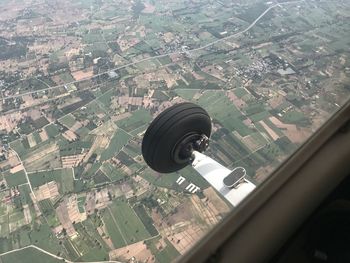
x,y
163,55
52,255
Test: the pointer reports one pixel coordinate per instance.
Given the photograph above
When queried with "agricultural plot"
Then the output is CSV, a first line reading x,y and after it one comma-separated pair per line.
x,y
187,94
124,224
20,146
164,180
28,255
81,203
294,117
125,159
138,119
31,140
273,127
64,177
3,210
52,130
113,230
71,250
67,120
105,99
43,156
112,172
165,253
15,240
229,149
46,206
72,148
39,123
82,132
90,38
92,170
271,152
240,92
5,244
95,109
132,149
16,179
16,220
168,253
66,77
165,60
259,116
43,237
221,109
146,219
101,178
4,230
37,137
160,95
119,139
89,244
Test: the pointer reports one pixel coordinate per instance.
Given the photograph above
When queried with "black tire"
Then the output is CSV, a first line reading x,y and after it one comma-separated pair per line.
x,y
167,130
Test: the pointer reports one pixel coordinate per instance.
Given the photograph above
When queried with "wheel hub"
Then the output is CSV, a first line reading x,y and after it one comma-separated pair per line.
x,y
182,152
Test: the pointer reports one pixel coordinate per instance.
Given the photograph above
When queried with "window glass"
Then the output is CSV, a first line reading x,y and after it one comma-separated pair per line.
x,y
81,80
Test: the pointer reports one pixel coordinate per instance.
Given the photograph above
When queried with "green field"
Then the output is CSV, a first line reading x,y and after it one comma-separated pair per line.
x,y
168,254
16,179
129,229
92,37
228,148
187,94
119,139
28,255
67,120
240,92
112,172
89,243
105,99
164,180
52,130
17,217
37,137
66,77
113,231
43,237
274,127
146,219
19,147
259,116
81,203
165,60
164,255
220,108
64,177
138,119
295,117
132,149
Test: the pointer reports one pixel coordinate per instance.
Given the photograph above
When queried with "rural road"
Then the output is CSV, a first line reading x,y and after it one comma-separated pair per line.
x,y
163,55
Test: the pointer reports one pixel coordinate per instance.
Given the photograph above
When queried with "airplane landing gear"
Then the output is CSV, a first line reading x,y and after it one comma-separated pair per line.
x,y
174,134
177,137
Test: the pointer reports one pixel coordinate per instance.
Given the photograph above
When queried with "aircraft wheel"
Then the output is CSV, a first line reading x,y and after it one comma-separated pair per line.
x,y
170,139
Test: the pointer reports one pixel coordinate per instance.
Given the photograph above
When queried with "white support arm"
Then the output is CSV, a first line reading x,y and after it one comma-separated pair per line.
x,y
215,173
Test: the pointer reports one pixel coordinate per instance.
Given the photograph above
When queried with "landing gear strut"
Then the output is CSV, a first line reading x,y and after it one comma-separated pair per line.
x,y
177,137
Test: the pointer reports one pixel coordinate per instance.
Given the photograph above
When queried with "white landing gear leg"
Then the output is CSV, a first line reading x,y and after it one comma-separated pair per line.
x,y
232,185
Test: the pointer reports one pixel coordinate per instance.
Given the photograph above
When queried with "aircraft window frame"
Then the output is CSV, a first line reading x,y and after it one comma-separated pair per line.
x,y
209,246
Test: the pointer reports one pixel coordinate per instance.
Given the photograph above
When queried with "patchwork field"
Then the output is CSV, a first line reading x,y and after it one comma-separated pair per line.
x,y
123,225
